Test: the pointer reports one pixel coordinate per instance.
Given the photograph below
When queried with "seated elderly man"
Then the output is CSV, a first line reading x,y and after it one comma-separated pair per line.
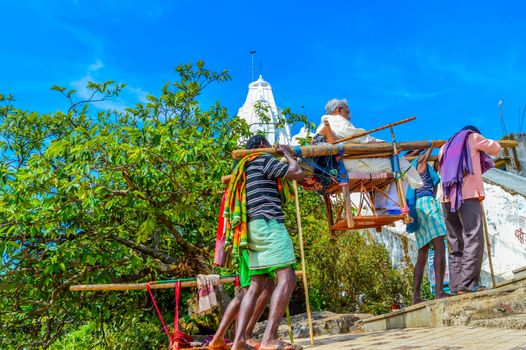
x,y
338,115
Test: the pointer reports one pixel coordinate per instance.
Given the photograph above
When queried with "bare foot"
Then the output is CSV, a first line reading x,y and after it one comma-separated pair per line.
x,y
218,344
253,343
442,294
277,344
241,346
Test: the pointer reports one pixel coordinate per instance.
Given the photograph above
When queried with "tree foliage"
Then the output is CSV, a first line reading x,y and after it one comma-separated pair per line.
x,y
103,197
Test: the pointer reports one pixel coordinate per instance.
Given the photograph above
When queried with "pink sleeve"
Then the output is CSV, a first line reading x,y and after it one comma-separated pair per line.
x,y
483,144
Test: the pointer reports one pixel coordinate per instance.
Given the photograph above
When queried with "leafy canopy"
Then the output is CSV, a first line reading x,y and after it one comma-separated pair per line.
x,y
93,196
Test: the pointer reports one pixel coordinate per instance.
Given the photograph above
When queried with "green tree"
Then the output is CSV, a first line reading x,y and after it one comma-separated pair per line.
x,y
103,197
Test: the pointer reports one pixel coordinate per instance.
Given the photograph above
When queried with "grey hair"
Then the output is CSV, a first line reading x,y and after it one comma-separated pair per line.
x,y
334,104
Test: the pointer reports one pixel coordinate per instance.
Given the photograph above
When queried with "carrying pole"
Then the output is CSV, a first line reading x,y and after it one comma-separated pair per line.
x,y
488,245
185,283
303,269
390,125
362,149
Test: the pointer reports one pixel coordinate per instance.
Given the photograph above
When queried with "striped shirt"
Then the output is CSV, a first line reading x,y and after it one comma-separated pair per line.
x,y
263,199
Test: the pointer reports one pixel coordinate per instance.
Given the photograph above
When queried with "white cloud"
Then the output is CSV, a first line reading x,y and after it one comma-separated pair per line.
x,y
96,66
139,93
129,96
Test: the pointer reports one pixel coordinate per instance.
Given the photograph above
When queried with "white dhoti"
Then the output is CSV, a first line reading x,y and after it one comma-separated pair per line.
x,y
410,177
341,127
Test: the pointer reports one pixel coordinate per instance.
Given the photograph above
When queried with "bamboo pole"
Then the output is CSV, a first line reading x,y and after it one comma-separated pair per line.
x,y
289,324
362,149
303,269
399,187
390,125
488,245
328,212
142,286
347,202
226,178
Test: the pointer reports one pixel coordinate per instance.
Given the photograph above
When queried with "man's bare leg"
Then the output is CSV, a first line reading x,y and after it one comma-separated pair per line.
x,y
439,264
278,304
262,302
418,273
228,317
246,310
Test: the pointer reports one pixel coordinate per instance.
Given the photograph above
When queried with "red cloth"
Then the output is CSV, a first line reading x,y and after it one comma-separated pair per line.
x,y
181,340
220,254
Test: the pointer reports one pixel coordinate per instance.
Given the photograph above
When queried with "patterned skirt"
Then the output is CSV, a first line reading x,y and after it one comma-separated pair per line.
x,y
430,220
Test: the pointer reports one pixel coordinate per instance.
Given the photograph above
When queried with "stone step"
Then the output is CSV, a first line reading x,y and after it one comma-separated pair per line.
x,y
508,299
516,321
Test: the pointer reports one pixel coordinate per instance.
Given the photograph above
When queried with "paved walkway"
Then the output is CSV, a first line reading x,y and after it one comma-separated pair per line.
x,y
444,338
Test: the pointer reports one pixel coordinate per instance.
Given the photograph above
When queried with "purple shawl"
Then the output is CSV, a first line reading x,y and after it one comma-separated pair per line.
x,y
455,163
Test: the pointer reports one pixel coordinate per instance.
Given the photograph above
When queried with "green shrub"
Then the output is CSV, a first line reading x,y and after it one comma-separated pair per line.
x,y
350,273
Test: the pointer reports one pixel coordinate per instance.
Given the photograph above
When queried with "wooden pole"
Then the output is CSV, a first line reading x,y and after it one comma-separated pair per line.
x,y
328,211
289,324
390,125
142,286
488,245
362,149
225,180
399,186
347,201
303,269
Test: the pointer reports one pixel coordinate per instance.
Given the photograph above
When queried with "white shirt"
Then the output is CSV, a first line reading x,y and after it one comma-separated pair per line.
x,y
342,128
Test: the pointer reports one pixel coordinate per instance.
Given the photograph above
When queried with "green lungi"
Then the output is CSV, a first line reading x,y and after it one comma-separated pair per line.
x,y
269,246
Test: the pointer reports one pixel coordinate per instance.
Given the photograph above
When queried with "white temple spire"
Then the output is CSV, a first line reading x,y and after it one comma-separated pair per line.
x,y
260,91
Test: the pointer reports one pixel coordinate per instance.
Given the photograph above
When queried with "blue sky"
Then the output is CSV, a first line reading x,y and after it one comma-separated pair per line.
x,y
448,63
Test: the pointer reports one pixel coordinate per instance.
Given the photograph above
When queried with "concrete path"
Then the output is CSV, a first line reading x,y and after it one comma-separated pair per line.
x,y
443,338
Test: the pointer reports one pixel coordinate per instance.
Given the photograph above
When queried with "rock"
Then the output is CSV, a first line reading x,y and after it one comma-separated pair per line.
x,y
502,310
324,323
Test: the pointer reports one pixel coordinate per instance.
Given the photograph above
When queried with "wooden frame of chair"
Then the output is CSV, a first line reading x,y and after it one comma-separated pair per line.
x,y
376,182
364,185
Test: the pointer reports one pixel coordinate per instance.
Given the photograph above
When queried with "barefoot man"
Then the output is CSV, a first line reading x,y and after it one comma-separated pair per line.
x,y
270,251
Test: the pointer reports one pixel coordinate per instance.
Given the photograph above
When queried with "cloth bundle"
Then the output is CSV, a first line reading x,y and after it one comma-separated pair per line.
x,y
206,292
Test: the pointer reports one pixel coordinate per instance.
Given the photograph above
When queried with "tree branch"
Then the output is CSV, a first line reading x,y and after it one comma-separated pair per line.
x,y
189,248
146,250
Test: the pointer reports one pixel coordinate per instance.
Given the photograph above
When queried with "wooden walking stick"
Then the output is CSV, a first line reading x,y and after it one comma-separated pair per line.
x,y
390,125
289,324
488,245
303,270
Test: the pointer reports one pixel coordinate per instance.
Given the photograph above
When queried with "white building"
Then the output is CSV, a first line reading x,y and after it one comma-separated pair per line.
x,y
261,113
